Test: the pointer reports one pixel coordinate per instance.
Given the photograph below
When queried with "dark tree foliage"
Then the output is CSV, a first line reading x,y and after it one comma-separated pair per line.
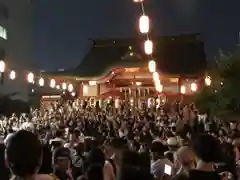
x,y
223,96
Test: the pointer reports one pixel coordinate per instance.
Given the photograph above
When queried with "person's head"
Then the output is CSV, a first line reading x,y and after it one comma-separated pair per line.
x,y
172,143
107,148
24,154
157,150
158,134
134,145
184,157
79,149
118,145
94,171
206,148
75,135
56,145
95,156
221,132
233,125
59,133
133,166
62,158
228,153
169,155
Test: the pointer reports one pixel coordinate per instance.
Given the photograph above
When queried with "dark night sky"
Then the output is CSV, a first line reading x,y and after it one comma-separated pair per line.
x,y
62,27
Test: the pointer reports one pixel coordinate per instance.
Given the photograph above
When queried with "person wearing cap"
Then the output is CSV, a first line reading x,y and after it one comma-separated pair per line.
x,y
61,164
172,144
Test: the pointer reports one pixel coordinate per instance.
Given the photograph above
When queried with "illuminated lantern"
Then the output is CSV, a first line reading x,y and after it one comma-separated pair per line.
x,y
155,76
12,75
152,66
194,87
53,83
208,80
30,77
92,83
138,83
64,86
144,24
117,103
183,89
70,87
148,47
137,1
159,87
2,66
85,89
73,94
41,82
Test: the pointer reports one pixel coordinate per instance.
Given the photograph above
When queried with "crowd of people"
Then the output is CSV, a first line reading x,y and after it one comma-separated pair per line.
x,y
73,141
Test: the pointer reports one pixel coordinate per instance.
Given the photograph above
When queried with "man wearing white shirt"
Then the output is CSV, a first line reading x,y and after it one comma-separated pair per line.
x,y
58,138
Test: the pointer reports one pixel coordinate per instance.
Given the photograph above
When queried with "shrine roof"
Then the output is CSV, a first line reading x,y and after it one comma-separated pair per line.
x,y
178,55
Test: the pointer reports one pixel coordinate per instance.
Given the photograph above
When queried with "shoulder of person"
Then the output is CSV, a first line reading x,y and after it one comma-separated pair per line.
x,y
108,168
82,178
45,177
181,176
107,165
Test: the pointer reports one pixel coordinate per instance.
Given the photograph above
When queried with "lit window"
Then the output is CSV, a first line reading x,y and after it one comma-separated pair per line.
x,y
3,32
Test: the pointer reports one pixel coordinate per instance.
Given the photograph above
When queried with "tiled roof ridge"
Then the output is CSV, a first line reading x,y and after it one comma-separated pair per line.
x,y
97,42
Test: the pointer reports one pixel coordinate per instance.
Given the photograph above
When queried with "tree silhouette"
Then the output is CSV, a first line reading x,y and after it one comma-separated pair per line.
x,y
223,96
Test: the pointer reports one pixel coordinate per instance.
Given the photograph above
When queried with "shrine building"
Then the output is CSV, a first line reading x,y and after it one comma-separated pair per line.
x,y
119,68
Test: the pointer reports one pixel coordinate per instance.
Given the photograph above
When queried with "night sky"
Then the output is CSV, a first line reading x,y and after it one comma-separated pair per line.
x,y
62,27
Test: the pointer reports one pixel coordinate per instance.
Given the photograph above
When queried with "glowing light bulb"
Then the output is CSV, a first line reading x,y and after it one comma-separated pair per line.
x,y
148,47
30,77
2,66
144,24
152,66
73,94
85,89
194,87
92,83
183,90
12,75
155,76
41,82
138,83
52,83
159,87
208,80
64,86
70,87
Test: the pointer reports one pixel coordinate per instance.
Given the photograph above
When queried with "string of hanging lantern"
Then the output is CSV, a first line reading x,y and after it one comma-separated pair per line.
x,y
144,28
32,78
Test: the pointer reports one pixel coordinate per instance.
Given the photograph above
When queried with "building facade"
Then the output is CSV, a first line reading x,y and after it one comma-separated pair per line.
x,y
15,44
119,68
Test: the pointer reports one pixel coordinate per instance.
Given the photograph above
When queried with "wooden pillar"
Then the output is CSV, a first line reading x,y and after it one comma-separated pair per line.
x,y
98,90
179,85
180,95
113,88
81,90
